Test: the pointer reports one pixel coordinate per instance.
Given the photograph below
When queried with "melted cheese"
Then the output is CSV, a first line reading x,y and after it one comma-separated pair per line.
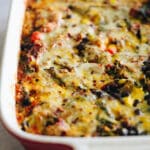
x,y
65,70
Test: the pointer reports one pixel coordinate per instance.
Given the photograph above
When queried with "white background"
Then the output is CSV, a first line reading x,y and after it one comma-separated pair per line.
x,y
6,141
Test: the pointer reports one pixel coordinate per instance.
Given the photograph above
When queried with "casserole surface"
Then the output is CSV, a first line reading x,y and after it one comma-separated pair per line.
x,y
84,68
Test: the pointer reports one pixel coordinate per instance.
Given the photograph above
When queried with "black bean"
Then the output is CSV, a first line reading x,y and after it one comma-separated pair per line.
x,y
36,80
71,7
125,93
48,123
26,101
148,74
148,102
68,16
137,112
145,85
145,12
112,70
26,46
24,58
85,40
136,102
118,90
81,46
147,62
97,93
23,127
132,131
147,98
138,34
122,131
112,89
24,124
116,70
124,124
51,121
146,68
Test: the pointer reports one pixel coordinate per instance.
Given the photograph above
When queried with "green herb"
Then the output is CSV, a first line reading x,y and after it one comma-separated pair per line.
x,y
55,76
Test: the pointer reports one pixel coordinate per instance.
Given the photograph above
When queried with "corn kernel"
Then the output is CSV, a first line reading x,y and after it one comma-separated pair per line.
x,y
112,2
137,93
128,100
85,21
91,37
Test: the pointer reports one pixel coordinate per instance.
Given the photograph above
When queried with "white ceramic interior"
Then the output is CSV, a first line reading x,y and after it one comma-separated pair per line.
x,y
7,100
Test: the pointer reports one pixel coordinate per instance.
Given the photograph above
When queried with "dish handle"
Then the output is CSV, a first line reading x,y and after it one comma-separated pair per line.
x,y
29,145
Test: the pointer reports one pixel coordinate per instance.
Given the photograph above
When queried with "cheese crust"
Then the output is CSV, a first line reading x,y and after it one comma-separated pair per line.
x,y
84,68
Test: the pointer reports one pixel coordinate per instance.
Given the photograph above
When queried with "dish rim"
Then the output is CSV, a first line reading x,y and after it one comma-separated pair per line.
x,y
8,84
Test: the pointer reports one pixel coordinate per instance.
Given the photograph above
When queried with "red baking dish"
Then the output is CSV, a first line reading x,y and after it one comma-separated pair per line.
x,y
7,103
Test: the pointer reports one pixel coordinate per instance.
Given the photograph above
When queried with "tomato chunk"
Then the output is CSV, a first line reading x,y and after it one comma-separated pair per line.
x,y
112,49
35,36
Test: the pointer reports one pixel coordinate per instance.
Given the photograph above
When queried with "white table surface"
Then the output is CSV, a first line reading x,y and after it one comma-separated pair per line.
x,y
7,142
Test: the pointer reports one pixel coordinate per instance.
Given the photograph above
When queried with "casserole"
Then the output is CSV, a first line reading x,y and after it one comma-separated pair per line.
x,y
8,80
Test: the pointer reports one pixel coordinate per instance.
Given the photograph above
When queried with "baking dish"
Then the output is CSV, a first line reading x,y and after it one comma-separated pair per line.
x,y
7,102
